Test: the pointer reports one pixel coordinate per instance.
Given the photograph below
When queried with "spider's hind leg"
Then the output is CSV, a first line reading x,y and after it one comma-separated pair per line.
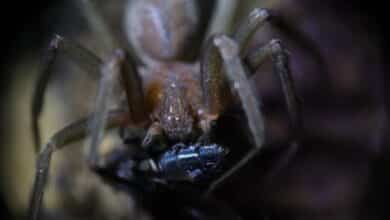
x,y
212,81
222,49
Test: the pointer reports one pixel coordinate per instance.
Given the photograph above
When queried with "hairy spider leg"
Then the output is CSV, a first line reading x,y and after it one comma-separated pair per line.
x,y
129,76
211,75
222,17
71,133
302,40
84,58
244,33
102,31
211,78
98,25
115,70
274,49
239,82
211,62
260,16
280,59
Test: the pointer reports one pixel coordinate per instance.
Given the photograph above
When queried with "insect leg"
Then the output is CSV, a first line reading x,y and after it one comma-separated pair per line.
x,y
116,69
81,56
279,55
238,81
71,133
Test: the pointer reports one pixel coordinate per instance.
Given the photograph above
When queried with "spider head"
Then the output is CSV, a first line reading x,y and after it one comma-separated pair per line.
x,y
176,118
159,29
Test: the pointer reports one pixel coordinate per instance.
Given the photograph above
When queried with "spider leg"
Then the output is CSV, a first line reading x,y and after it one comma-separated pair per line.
x,y
289,29
279,55
98,25
222,17
116,69
131,81
238,81
71,133
211,66
81,56
102,30
211,83
259,16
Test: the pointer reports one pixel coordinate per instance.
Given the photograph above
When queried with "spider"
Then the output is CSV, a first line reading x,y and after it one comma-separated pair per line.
x,y
172,104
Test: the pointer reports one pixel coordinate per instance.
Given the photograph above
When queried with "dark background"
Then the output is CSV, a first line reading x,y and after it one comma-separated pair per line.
x,y
20,18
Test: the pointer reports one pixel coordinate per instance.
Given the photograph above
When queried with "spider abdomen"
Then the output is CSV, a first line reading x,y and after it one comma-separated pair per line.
x,y
160,29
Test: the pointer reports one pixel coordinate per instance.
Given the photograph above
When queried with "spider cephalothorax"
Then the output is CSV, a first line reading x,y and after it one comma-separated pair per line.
x,y
175,99
173,103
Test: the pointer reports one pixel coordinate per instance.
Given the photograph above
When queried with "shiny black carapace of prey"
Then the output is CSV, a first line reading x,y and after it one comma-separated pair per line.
x,y
190,163
158,182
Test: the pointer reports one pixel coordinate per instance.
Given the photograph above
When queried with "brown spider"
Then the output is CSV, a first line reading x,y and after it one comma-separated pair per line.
x,y
172,101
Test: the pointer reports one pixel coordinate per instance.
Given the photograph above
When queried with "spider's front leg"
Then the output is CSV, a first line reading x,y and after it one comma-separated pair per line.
x,y
219,50
279,55
118,68
237,78
71,133
76,53
211,65
222,49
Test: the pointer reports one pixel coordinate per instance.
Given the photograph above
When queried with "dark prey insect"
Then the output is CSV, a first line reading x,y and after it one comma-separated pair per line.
x,y
169,106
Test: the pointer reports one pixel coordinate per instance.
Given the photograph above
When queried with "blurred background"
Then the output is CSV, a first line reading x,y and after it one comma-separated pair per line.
x,y
341,171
